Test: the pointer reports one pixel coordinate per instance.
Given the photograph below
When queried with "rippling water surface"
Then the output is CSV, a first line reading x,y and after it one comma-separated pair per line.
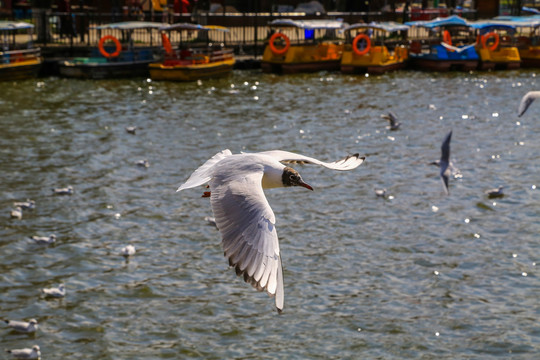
x,y
416,275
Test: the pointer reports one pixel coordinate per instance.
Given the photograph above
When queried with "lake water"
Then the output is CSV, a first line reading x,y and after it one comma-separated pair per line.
x,y
417,274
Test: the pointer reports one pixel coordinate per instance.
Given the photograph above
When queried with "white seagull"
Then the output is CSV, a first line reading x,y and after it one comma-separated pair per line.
x,y
23,326
44,240
444,163
32,353
526,101
63,191
58,292
127,251
26,205
242,213
495,193
16,213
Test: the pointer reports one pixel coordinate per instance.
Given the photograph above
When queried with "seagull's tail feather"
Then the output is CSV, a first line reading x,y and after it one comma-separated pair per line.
x,y
202,175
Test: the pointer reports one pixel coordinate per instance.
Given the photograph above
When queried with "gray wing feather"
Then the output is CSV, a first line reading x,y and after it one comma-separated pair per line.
x,y
249,238
203,174
526,101
348,163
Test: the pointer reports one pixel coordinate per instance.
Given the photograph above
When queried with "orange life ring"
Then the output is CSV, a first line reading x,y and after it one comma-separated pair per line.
x,y
355,48
495,43
275,50
447,38
102,48
166,44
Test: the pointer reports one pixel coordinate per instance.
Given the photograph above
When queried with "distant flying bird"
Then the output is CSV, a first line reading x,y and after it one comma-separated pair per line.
x,y
392,119
444,162
58,292
495,193
23,326
32,353
526,101
44,240
244,217
25,205
63,191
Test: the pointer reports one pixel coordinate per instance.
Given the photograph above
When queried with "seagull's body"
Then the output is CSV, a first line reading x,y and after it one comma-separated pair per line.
x,y
58,292
380,192
23,326
33,353
16,213
392,120
25,205
242,213
444,162
495,193
526,101
63,191
143,163
128,250
44,240
131,130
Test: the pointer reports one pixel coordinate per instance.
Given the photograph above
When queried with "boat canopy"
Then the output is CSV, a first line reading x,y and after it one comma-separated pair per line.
x,y
453,20
309,24
193,27
14,25
389,26
130,25
490,25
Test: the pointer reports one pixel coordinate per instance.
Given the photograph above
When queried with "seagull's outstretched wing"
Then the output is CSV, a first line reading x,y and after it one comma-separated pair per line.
x,y
203,175
348,163
444,163
246,223
526,101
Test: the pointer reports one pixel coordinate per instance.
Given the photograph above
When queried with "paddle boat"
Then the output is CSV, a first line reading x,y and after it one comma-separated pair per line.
x,y
19,59
196,56
366,48
126,57
442,44
303,46
496,45
528,38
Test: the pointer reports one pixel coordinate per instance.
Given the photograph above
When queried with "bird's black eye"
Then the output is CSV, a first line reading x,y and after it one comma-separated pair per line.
x,y
293,178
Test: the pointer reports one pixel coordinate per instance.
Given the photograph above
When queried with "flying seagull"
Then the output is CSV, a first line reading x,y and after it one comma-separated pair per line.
x,y
444,162
392,120
526,101
242,213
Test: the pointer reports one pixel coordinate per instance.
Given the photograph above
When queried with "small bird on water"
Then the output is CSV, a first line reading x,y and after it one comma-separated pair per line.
x,y
495,193
44,240
128,250
58,292
23,326
16,213
63,191
242,213
25,205
33,353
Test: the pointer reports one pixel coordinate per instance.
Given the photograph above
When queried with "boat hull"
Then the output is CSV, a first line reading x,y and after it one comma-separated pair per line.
x,y
107,70
377,61
20,70
443,65
305,67
192,72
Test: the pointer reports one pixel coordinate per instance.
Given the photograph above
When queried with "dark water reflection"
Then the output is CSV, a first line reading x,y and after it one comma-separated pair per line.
x,y
416,275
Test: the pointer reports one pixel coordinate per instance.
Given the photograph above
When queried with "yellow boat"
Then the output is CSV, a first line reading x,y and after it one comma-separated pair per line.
x,y
19,59
303,46
366,49
528,38
195,57
495,45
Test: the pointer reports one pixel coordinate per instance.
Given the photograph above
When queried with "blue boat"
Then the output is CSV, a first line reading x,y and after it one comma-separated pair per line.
x,y
442,44
118,54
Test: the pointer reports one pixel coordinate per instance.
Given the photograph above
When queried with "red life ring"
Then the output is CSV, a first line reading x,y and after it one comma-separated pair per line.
x,y
447,38
495,43
355,48
102,48
166,44
275,50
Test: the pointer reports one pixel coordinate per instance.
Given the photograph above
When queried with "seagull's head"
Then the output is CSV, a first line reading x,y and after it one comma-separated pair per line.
x,y
291,177
33,322
35,348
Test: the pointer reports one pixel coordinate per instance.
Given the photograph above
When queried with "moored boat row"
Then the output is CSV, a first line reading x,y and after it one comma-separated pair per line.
x,y
188,52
